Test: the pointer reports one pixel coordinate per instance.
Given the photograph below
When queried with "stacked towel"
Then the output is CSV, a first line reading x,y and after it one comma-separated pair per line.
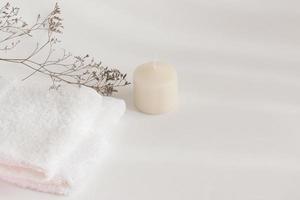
x,y
50,138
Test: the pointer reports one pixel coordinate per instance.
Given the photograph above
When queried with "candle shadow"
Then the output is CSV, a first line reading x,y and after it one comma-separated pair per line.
x,y
126,94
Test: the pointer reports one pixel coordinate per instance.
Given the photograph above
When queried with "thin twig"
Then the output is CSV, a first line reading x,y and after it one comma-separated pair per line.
x,y
75,70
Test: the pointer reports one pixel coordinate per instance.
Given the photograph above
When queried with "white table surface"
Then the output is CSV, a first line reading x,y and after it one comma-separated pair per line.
x,y
237,132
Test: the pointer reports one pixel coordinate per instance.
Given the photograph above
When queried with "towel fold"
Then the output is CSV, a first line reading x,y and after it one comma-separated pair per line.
x,y
50,139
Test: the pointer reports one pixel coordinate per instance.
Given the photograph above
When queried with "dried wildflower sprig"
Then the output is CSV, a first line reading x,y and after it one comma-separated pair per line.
x,y
76,70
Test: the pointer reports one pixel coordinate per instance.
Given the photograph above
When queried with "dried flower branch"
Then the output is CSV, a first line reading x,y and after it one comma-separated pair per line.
x,y
76,70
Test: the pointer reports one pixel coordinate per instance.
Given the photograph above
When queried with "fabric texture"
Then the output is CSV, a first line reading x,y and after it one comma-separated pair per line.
x,y
50,138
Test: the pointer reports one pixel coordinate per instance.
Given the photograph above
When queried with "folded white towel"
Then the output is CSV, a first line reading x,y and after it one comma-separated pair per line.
x,y
48,139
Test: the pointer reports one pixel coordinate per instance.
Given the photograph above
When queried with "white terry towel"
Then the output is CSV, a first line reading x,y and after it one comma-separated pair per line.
x,y
49,139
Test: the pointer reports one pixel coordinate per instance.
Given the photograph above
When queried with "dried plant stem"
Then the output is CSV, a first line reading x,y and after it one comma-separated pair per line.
x,y
65,68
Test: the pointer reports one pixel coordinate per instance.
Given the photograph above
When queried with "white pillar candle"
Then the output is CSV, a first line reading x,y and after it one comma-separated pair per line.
x,y
155,88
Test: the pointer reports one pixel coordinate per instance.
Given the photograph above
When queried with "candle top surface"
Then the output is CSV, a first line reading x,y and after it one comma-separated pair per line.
x,y
155,72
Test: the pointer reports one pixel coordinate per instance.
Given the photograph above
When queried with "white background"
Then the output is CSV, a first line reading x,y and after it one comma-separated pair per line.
x,y
237,132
